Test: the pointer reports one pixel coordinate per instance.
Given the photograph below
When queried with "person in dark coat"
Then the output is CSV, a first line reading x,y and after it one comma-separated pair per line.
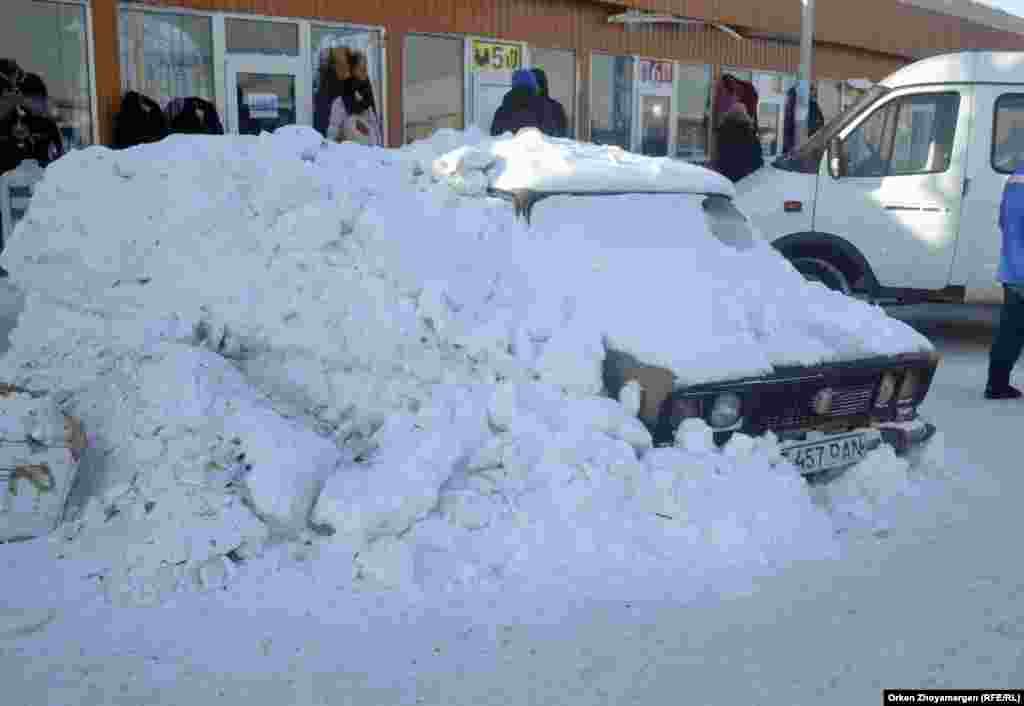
x,y
554,121
521,106
193,116
739,149
25,134
140,120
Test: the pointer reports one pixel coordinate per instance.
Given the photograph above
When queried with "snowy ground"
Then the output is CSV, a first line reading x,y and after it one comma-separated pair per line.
x,y
930,597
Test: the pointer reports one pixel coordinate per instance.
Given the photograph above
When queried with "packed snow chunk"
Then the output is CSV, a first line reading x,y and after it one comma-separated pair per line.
x,y
747,507
286,463
862,492
401,481
695,436
532,161
608,416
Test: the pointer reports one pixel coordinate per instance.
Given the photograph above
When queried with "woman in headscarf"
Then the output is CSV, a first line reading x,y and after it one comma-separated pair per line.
x,y
354,114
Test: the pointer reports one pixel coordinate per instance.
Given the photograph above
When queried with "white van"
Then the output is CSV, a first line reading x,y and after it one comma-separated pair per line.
x,y
897,198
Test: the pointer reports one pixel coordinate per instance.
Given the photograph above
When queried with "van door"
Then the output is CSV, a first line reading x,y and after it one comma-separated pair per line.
x,y
899,196
996,150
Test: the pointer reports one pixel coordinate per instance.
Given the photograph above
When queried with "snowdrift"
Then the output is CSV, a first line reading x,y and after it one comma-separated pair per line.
x,y
276,337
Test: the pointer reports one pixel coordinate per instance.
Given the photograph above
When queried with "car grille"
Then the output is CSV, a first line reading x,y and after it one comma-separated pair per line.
x,y
792,411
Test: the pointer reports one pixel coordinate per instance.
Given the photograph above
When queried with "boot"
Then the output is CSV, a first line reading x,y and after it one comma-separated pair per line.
x,y
998,387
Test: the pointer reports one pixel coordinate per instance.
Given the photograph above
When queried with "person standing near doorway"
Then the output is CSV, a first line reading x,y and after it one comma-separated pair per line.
x,y
521,107
1009,340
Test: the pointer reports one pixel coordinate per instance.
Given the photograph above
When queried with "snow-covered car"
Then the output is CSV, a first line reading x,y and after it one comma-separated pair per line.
x,y
828,407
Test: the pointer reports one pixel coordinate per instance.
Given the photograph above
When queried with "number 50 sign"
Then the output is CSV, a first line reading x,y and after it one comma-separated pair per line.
x,y
496,56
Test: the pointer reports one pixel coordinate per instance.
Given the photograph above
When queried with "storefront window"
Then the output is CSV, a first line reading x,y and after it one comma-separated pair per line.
x,y
166,56
433,91
771,108
611,100
693,97
49,40
560,67
326,87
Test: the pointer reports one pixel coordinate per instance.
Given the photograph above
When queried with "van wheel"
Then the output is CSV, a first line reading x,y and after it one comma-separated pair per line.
x,y
817,270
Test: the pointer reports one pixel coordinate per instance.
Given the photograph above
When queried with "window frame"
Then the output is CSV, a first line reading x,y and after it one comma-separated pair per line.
x,y
709,100
632,99
574,126
894,105
405,72
90,51
995,126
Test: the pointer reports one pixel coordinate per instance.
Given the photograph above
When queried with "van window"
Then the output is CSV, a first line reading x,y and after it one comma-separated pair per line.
x,y
909,135
1008,133
806,158
867,149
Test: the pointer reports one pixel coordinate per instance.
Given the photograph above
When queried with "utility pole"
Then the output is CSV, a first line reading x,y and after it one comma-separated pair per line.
x,y
803,86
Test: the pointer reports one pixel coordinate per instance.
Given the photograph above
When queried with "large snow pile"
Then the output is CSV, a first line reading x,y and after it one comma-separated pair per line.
x,y
360,343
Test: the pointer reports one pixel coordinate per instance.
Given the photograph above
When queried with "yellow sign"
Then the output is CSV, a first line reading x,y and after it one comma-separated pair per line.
x,y
496,56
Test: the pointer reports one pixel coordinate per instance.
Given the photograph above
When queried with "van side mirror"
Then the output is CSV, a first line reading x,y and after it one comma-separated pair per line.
x,y
836,159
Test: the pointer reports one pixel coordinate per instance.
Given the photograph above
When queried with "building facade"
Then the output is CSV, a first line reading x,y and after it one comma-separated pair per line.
x,y
638,73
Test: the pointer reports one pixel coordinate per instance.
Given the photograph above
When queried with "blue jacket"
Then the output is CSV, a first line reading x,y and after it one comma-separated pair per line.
x,y
1011,222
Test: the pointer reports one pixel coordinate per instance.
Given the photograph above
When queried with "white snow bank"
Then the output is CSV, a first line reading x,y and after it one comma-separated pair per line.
x,y
533,161
420,368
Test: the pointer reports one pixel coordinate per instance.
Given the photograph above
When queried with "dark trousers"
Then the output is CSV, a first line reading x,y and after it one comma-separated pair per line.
x,y
1009,342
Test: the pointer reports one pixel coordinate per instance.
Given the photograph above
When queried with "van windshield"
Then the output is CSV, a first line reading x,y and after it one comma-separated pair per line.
x,y
806,158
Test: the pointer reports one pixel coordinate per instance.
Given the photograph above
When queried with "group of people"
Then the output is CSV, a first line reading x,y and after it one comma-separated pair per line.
x,y
344,107
529,104
737,130
27,131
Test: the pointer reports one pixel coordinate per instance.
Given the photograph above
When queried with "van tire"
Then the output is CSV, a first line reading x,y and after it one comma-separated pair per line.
x,y
817,270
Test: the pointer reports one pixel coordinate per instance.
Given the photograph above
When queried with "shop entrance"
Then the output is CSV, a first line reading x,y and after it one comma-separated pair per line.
x,y
266,92
489,68
655,119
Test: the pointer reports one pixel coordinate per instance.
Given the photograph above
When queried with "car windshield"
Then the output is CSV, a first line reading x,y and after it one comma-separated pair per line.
x,y
720,217
807,157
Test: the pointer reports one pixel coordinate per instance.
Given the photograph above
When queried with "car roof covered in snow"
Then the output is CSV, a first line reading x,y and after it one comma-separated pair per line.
x,y
534,162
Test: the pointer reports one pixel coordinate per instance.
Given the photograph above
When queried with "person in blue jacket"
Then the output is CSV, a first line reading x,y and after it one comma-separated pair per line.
x,y
521,107
1009,340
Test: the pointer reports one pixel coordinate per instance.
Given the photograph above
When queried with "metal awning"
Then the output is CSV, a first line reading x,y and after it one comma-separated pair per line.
x,y
640,17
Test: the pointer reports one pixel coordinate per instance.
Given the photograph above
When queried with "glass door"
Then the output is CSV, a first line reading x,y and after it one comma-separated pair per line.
x,y
654,86
265,93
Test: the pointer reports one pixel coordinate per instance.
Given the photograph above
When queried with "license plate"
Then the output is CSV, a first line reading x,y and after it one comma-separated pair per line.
x,y
828,453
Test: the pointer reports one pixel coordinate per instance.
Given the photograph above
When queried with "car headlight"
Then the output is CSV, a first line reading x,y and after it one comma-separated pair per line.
x,y
725,411
886,390
908,389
